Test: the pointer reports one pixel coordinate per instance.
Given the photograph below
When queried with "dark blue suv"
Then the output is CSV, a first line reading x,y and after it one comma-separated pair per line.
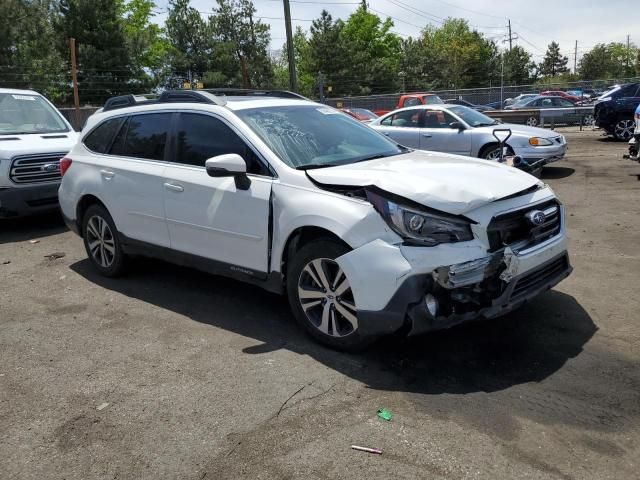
x,y
614,110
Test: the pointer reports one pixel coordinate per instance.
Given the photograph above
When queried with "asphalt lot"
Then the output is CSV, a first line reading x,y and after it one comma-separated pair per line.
x,y
205,377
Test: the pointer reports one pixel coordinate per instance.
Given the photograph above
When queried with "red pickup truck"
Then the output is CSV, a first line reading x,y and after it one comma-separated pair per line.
x,y
412,99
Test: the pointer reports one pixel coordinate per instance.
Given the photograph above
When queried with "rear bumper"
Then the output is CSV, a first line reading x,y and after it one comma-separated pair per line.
x,y
28,200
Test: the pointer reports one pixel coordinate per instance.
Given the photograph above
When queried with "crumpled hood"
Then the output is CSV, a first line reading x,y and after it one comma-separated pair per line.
x,y
449,183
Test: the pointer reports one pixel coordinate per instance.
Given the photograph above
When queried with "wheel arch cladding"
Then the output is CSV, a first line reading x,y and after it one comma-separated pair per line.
x,y
302,236
83,204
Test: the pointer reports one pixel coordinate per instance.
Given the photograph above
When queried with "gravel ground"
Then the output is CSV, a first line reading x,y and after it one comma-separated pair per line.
x,y
170,373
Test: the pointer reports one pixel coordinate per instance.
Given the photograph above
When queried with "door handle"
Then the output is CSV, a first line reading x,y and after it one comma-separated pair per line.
x,y
427,135
174,187
107,174
385,133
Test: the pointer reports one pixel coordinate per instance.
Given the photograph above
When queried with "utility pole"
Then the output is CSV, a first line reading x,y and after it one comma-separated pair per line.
x,y
293,81
74,79
627,55
321,86
502,82
510,38
575,58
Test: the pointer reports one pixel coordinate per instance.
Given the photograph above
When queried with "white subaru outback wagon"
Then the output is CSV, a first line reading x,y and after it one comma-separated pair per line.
x,y
364,236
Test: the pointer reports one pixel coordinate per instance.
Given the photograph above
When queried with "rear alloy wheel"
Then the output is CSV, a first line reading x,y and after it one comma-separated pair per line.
x,y
532,121
321,298
623,130
588,120
101,241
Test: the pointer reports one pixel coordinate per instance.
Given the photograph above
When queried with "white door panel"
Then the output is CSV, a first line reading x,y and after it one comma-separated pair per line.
x,y
135,193
212,218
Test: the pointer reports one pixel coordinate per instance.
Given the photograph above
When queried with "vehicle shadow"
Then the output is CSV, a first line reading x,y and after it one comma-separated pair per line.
x,y
27,228
524,346
556,173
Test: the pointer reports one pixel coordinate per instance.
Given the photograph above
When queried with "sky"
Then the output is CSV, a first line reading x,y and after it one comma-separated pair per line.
x,y
535,22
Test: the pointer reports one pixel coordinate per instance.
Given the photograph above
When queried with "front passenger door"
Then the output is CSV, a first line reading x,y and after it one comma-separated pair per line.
x,y
438,136
212,217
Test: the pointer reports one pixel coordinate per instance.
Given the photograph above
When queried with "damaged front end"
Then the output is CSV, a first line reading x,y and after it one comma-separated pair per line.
x,y
484,288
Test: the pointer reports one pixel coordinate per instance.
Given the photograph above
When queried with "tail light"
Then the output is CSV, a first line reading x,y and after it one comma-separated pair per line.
x,y
65,163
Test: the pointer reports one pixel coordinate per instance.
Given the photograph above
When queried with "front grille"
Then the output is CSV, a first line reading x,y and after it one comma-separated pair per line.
x,y
514,229
36,168
538,278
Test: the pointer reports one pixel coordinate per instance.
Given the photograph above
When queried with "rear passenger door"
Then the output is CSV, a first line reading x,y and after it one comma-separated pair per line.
x,y
131,173
211,217
403,127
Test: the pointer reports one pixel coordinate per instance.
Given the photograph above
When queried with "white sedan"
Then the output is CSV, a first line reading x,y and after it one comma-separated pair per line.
x,y
463,131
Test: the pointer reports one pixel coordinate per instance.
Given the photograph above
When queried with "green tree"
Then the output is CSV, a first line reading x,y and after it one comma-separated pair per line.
x,y
372,52
460,57
613,60
148,47
554,63
517,66
190,40
246,38
26,57
104,63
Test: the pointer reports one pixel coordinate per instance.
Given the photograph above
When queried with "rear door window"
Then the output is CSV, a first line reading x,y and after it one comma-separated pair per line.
x,y
99,140
406,118
143,136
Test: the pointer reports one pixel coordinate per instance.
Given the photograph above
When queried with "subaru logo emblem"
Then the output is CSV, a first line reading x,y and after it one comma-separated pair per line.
x,y
536,217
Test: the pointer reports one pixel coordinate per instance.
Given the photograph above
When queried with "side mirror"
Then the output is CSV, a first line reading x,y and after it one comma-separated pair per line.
x,y
229,165
457,125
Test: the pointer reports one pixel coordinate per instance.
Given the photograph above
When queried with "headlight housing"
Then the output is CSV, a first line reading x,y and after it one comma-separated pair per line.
x,y
421,227
540,142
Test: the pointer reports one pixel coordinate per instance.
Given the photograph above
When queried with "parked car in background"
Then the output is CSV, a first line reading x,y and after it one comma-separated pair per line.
x,y
560,93
464,131
520,98
546,102
412,99
614,109
366,237
459,101
361,114
34,136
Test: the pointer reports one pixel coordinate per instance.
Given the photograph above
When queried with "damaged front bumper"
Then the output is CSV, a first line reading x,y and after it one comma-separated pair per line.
x,y
428,298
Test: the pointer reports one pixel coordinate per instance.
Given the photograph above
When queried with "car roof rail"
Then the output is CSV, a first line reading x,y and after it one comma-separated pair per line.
x,y
250,92
190,96
169,96
124,101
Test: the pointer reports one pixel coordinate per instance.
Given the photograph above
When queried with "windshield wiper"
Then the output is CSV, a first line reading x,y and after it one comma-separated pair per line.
x,y
313,166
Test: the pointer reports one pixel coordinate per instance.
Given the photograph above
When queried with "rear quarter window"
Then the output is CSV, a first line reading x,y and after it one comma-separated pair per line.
x,y
99,139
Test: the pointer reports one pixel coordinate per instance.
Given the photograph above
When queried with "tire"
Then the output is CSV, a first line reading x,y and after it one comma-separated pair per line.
x,y
102,243
327,311
532,121
623,129
492,152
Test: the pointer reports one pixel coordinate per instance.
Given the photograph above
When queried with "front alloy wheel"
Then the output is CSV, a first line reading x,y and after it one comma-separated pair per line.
x,y
623,130
532,121
326,298
321,297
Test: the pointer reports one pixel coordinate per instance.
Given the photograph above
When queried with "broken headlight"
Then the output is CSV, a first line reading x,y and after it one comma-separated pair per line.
x,y
421,227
